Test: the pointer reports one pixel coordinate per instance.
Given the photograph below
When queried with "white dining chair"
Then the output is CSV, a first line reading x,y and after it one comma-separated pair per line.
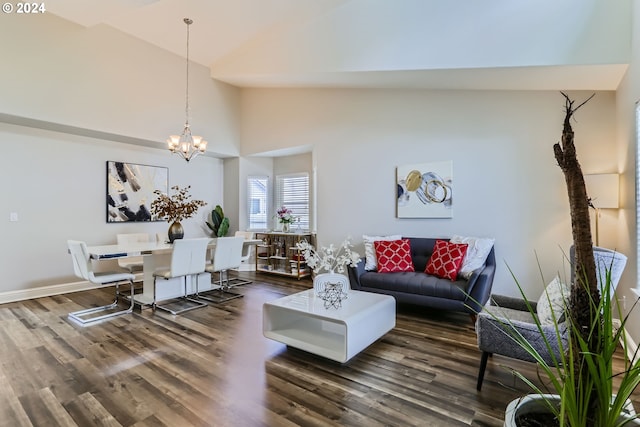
x,y
133,263
83,268
227,255
247,250
188,260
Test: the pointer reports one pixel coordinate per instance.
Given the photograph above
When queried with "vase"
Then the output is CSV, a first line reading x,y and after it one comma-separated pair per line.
x,y
322,279
175,231
286,227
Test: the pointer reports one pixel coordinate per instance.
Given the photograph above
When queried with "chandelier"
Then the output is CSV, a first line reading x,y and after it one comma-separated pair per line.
x,y
187,145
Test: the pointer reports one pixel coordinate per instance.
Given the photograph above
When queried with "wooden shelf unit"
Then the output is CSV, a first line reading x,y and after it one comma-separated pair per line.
x,y
278,254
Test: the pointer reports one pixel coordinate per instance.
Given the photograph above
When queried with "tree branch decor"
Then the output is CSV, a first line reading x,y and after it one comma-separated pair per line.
x,y
176,207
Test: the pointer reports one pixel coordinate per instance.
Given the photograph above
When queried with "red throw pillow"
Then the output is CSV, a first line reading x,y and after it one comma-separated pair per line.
x,y
393,255
446,259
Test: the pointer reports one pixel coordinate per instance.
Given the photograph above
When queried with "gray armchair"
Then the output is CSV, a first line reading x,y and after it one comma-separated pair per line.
x,y
507,312
492,338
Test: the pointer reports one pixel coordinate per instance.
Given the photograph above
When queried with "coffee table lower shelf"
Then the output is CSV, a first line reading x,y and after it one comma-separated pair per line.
x,y
301,321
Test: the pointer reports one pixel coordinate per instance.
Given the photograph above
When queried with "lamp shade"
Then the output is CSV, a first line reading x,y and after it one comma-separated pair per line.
x,y
603,189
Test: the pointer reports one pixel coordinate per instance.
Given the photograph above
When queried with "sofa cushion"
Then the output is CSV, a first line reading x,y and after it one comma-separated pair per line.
x,y
393,255
370,260
415,283
477,252
446,259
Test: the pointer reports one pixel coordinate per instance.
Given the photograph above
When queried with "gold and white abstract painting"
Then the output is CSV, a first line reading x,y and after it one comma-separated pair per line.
x,y
425,190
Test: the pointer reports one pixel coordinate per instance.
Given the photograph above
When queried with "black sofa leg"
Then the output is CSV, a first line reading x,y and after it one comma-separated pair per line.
x,y
483,365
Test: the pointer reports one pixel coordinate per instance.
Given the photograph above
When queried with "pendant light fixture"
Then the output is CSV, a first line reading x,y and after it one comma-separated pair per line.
x,y
187,145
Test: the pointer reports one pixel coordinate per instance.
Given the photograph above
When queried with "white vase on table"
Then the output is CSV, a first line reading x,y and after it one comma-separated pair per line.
x,y
322,279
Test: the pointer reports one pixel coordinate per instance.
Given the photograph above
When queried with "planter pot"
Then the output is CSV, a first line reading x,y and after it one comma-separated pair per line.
x,y
175,231
534,403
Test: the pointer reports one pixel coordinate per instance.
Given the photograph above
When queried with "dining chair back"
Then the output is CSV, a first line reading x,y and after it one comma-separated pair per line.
x,y
83,268
226,255
247,251
188,260
189,256
135,262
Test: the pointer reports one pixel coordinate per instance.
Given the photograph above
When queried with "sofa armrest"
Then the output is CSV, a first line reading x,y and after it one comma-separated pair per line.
x,y
355,273
479,288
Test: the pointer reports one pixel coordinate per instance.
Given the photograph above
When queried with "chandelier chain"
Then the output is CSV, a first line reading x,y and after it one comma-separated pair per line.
x,y
187,145
186,108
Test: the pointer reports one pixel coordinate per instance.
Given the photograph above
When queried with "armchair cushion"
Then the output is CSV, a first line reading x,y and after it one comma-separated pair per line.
x,y
552,302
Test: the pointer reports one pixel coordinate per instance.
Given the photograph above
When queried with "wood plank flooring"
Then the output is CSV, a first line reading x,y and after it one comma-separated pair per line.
x,y
213,367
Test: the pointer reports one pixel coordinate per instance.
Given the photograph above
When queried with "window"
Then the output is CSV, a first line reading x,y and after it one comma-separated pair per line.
x,y
257,206
292,191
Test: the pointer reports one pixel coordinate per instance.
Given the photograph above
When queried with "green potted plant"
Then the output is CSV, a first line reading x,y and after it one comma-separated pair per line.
x,y
217,222
581,378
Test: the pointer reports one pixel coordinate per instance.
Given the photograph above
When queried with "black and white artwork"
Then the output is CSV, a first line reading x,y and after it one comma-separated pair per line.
x,y
130,190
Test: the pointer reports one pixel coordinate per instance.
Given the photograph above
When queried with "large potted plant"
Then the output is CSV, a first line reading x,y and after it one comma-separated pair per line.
x,y
175,208
581,378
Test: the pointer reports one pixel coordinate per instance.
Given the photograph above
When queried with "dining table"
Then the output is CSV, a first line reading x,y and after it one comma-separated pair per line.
x,y
157,255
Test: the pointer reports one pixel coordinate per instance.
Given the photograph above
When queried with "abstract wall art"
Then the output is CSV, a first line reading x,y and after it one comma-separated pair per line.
x,y
425,190
130,190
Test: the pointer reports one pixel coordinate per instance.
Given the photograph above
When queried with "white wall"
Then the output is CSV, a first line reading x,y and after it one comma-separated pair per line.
x,y
56,183
507,182
101,79
628,95
109,87
380,35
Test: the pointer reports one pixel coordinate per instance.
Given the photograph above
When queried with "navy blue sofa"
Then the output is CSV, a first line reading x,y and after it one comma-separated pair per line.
x,y
467,296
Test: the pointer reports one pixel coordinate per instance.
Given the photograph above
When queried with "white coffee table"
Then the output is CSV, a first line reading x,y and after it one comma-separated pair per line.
x,y
301,321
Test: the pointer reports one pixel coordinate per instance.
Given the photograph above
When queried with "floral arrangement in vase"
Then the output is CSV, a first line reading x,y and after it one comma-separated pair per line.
x,y
331,258
285,217
175,208
331,287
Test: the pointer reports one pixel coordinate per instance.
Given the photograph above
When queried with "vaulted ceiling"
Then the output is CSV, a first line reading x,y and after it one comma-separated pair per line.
x,y
441,44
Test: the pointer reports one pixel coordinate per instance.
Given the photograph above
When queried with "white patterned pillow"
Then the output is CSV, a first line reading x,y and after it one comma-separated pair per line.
x,y
477,252
554,299
370,260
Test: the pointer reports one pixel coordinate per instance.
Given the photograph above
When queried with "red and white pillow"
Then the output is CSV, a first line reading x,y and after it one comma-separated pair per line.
x,y
393,255
446,259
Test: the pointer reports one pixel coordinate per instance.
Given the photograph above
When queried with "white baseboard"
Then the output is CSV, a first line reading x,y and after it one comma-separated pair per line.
x,y
47,291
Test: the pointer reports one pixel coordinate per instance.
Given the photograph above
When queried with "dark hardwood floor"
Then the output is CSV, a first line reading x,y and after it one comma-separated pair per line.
x,y
213,367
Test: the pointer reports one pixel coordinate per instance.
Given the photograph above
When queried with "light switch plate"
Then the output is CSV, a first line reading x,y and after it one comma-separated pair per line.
x,y
13,216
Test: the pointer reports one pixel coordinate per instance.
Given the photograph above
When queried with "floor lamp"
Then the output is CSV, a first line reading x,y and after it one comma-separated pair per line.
x,y
602,190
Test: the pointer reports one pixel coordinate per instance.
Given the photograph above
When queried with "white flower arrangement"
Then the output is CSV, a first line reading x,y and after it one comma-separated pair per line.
x,y
329,258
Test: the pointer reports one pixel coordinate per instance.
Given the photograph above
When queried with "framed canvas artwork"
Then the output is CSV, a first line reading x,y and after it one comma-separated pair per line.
x,y
425,190
130,189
